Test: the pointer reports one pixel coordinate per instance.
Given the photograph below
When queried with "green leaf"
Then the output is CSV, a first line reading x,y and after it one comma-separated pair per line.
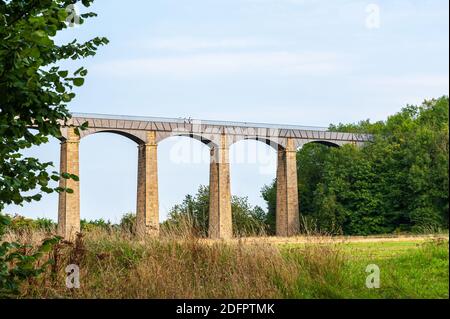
x,y
39,34
78,81
65,175
63,73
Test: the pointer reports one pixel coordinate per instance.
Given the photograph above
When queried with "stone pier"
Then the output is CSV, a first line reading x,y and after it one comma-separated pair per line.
x,y
220,223
69,203
147,207
287,210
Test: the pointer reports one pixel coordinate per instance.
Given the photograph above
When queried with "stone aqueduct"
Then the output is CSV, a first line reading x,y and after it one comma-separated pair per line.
x,y
219,136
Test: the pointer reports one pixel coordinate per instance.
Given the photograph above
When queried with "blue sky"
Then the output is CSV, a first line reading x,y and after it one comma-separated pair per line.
x,y
307,62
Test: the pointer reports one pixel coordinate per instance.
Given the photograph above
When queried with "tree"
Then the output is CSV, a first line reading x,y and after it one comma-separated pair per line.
x,y
34,92
269,194
247,220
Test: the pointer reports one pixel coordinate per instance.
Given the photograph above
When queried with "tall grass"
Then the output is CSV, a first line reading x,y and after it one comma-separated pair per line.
x,y
114,264
114,267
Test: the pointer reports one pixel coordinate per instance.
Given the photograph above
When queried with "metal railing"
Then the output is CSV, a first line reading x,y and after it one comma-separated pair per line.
x,y
198,121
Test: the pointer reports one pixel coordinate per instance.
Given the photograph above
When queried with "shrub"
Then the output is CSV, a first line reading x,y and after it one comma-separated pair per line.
x,y
128,223
18,262
86,225
45,224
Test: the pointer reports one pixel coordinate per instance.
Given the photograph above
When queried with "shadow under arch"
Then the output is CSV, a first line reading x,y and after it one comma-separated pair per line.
x,y
265,140
131,136
325,143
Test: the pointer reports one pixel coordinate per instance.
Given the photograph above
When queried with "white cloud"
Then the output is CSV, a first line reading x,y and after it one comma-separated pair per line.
x,y
283,63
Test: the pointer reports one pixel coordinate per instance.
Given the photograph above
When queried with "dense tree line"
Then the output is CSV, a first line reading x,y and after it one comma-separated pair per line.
x,y
397,182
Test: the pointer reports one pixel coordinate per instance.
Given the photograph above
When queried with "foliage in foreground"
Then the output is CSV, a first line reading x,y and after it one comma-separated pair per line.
x,y
20,262
34,92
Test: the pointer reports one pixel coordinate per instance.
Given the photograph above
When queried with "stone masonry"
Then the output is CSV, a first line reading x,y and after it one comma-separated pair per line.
x,y
287,209
220,223
69,203
147,208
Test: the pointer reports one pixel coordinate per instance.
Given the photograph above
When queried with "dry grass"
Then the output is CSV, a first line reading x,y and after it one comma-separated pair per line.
x,y
113,264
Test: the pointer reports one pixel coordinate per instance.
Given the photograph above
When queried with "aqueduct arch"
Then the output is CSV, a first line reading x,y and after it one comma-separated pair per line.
x,y
219,136
326,143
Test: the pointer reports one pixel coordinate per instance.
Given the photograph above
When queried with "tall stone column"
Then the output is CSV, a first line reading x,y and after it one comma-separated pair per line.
x,y
147,207
220,222
287,209
69,203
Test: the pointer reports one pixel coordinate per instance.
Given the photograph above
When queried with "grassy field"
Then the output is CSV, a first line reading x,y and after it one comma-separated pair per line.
x,y
408,269
113,265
